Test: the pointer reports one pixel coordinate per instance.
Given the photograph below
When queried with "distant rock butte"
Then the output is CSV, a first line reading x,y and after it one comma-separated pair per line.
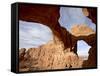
x,y
81,30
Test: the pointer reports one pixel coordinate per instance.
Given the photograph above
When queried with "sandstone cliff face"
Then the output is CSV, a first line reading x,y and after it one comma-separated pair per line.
x,y
81,30
49,56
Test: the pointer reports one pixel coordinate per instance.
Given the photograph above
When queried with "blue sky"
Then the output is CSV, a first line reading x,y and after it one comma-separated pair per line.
x,y
83,48
35,34
72,16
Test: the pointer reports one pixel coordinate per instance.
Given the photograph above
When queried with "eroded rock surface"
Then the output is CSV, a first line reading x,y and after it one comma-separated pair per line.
x,y
81,30
49,56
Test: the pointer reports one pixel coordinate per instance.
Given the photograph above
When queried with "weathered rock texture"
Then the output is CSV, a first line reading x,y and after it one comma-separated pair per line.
x,y
49,56
60,53
81,30
47,15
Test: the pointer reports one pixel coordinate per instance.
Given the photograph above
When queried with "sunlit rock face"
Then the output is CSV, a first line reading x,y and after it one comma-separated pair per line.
x,y
72,60
81,30
49,56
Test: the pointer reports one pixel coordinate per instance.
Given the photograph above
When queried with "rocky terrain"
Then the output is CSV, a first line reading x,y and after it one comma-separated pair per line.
x,y
81,30
49,56
61,52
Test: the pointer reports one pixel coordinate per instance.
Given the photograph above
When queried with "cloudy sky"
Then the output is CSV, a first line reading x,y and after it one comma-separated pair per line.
x,y
34,34
72,16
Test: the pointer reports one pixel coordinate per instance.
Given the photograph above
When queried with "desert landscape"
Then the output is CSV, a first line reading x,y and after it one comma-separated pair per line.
x,y
53,43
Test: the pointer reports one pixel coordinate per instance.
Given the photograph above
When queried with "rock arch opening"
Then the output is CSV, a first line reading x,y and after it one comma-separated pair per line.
x,y
33,34
83,49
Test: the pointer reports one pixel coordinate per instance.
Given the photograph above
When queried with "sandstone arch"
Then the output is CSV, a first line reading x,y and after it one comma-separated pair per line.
x,y
90,40
49,15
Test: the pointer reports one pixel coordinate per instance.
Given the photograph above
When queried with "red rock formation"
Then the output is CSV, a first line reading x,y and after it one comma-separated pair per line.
x,y
52,55
92,59
45,14
91,40
93,14
85,33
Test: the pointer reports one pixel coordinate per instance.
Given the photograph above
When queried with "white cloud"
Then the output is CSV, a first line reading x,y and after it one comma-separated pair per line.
x,y
33,34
